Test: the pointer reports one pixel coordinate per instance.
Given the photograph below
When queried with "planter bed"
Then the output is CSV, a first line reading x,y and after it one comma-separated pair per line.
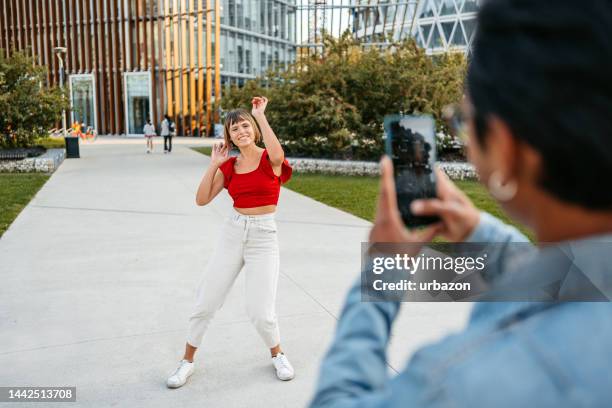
x,y
454,170
47,162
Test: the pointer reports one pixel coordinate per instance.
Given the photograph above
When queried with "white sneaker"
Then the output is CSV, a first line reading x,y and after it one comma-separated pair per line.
x,y
180,376
284,369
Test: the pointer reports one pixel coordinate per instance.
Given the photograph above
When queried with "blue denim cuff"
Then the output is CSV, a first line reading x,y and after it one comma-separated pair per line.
x,y
491,229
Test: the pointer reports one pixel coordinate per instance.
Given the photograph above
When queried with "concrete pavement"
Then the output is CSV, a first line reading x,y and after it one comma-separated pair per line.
x,y
99,274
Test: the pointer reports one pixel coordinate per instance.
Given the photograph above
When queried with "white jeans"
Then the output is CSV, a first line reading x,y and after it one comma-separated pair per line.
x,y
249,241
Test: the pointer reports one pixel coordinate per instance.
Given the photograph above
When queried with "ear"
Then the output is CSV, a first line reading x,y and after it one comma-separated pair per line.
x,y
515,159
503,149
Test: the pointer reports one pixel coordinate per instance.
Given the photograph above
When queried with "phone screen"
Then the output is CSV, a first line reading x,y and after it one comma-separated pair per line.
x,y
411,144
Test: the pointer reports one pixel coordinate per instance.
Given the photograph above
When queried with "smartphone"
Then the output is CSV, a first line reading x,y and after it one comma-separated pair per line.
x,y
410,143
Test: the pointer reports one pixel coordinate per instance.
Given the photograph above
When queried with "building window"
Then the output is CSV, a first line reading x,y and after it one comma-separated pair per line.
x,y
448,8
248,61
470,6
240,14
232,12
262,60
137,101
82,100
283,21
262,17
270,21
240,60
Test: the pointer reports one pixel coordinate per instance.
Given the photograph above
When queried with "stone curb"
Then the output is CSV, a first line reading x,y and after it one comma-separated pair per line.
x,y
454,170
45,163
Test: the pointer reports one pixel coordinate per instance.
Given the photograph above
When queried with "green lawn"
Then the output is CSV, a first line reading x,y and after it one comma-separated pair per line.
x,y
358,195
16,191
204,150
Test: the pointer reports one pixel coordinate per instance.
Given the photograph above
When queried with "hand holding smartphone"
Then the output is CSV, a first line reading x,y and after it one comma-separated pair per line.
x,y
411,145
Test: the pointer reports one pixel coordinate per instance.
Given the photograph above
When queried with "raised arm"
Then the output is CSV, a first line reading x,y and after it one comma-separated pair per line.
x,y
212,182
275,150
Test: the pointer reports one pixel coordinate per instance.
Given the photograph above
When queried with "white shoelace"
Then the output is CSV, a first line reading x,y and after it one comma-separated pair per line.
x,y
184,365
283,361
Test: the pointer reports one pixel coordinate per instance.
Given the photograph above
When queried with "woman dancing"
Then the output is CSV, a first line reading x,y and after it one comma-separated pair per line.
x,y
248,238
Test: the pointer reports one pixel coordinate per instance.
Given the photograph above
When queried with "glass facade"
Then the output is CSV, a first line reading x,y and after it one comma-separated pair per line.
x,y
137,102
446,25
437,25
82,99
257,35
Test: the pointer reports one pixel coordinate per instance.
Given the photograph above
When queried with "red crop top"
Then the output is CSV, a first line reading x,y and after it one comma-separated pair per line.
x,y
256,188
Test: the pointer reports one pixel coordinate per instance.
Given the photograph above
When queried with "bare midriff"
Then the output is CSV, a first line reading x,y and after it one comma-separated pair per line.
x,y
265,209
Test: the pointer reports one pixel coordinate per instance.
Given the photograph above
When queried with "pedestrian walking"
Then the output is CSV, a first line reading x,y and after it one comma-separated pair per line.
x,y
167,127
149,132
248,238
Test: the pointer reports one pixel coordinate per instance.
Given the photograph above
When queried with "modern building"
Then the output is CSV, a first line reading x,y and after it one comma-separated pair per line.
x,y
129,60
437,25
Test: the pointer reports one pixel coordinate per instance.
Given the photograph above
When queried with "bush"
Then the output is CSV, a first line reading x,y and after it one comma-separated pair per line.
x,y
28,107
333,105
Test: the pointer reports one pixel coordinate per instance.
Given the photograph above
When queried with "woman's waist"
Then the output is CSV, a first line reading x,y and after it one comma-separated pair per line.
x,y
265,212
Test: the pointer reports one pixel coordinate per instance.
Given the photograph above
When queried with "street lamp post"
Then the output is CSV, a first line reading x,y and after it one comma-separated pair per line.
x,y
58,52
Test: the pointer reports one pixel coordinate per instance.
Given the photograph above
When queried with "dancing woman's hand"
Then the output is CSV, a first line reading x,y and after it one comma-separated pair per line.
x,y
259,106
273,146
213,180
219,154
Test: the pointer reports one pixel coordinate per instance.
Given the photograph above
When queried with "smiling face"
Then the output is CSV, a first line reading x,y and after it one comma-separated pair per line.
x,y
241,129
242,133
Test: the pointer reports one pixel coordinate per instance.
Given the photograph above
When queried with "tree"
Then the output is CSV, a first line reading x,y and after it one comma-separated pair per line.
x,y
28,107
333,105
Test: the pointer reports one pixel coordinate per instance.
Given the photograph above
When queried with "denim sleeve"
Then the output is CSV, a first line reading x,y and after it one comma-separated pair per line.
x,y
354,372
498,239
355,365
482,366
491,229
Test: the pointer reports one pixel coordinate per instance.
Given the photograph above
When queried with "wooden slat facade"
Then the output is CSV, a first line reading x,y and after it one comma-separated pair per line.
x,y
170,39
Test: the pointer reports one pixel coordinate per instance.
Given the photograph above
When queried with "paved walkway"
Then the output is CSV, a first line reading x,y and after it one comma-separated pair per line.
x,y
99,274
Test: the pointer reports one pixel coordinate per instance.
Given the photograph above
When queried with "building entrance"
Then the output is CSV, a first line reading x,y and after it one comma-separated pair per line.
x,y
137,102
82,100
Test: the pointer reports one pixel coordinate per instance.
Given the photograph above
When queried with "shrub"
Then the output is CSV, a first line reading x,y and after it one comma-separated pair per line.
x,y
28,108
333,105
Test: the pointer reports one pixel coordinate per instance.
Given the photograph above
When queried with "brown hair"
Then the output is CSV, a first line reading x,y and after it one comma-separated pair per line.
x,y
235,116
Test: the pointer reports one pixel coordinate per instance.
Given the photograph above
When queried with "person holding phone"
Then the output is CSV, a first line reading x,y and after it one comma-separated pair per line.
x,y
248,239
539,133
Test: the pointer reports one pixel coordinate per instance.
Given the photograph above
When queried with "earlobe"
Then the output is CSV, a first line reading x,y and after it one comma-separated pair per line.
x,y
502,190
503,149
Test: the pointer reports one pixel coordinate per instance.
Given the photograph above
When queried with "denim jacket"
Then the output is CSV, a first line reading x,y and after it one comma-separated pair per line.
x,y
511,354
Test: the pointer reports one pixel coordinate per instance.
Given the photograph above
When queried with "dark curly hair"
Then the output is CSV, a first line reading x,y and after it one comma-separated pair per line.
x,y
545,69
